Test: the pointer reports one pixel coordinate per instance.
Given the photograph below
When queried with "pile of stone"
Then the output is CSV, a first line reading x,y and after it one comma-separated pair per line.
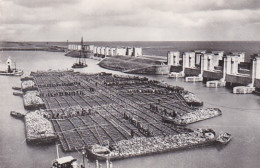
x,y
191,99
198,115
141,145
28,85
32,100
38,129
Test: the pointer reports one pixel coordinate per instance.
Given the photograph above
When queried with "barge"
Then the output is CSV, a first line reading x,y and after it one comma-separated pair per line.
x,y
196,116
153,145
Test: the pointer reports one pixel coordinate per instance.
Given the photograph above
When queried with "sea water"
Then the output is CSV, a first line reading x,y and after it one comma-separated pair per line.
x,y
241,118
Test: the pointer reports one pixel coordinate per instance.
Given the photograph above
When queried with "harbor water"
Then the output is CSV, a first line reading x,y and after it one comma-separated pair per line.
x,y
241,118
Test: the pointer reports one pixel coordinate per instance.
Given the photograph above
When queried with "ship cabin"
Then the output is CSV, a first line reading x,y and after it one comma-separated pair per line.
x,y
65,162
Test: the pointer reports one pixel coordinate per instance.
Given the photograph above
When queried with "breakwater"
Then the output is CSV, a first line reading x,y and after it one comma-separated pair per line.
x,y
134,65
104,109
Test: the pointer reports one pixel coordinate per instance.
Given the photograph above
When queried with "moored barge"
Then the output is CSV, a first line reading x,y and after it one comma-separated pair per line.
x,y
153,145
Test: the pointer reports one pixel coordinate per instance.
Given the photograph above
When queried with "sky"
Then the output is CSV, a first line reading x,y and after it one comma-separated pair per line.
x,y
130,20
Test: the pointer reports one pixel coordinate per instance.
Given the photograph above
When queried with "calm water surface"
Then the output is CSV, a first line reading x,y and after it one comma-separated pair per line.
x,y
241,117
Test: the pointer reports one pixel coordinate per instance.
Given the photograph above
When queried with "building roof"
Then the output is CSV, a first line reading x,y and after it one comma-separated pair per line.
x,y
216,52
238,52
200,51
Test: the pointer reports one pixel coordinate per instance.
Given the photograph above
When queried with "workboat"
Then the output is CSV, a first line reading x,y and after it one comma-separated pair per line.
x,y
79,64
224,138
65,162
17,114
11,71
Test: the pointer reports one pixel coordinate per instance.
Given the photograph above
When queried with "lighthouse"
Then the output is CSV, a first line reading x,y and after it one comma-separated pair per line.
x,y
9,62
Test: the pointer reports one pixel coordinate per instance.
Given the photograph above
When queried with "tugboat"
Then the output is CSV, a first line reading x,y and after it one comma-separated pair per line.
x,y
11,71
81,63
64,162
67,161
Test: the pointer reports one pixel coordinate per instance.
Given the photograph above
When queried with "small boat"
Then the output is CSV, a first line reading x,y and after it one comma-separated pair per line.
x,y
17,114
66,162
79,64
14,72
11,71
16,88
224,138
18,94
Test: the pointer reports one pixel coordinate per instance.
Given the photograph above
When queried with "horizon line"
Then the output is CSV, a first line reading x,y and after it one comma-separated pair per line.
x,y
141,41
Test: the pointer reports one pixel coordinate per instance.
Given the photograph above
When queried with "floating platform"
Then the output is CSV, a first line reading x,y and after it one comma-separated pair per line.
x,y
243,90
194,79
176,75
105,109
215,84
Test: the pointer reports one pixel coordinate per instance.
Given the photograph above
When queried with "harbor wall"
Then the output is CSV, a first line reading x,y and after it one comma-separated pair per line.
x,y
257,83
176,68
191,72
212,75
239,80
152,70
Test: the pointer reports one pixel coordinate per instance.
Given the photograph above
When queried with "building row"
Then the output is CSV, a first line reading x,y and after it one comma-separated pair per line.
x,y
108,51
